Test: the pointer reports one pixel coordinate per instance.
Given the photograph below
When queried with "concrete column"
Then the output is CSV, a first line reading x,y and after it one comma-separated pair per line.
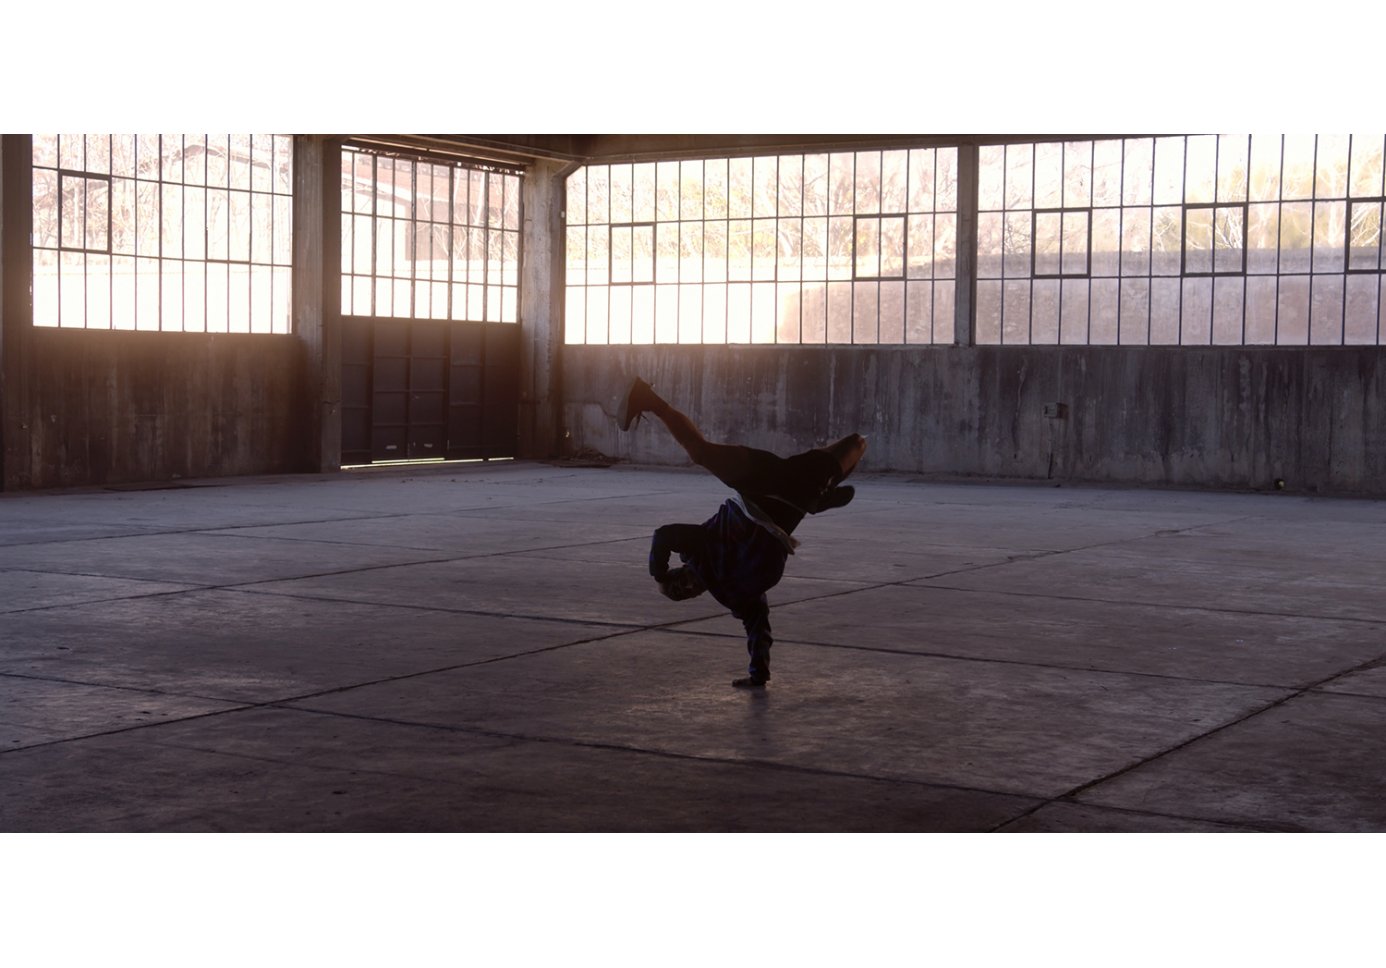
x,y
16,309
543,242
317,297
964,333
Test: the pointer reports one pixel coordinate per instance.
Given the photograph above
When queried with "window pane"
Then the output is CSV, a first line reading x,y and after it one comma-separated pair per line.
x,y
1078,174
1139,172
766,186
921,180
1227,311
620,254
1331,166
690,190
667,255
1364,236
145,198
946,180
1135,242
1048,232
868,247
991,178
1297,167
1106,242
1049,175
1264,182
791,185
841,185
1232,172
1198,240
893,247
1045,312
1020,173
1362,306
740,187
1326,311
920,236
1296,228
715,188
1196,313
815,184
1366,165
1075,243
1263,237
1168,178
1106,173
1229,239
667,190
1330,236
1200,169
868,182
945,247
894,181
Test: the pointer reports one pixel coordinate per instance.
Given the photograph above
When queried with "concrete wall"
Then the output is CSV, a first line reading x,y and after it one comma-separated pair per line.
x,y
541,308
1225,417
110,407
99,407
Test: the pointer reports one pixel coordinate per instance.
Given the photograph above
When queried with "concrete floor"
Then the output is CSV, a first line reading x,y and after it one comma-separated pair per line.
x,y
479,648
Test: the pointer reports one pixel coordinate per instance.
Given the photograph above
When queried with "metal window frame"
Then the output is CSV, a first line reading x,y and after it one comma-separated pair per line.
x,y
793,329
159,179
86,178
1214,207
611,255
879,217
1379,200
492,234
1035,213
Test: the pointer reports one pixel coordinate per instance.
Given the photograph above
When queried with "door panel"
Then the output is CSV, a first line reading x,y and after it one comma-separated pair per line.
x,y
420,389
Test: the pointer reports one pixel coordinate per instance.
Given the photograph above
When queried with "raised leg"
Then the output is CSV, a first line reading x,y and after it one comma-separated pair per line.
x,y
732,464
800,482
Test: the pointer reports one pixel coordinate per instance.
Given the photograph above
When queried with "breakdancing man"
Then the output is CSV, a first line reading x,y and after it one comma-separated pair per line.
x,y
740,552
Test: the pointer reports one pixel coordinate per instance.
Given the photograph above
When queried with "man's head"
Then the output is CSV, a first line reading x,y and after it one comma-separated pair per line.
x,y
681,584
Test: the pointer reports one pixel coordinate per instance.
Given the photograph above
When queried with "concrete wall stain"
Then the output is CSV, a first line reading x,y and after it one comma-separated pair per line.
x,y
1220,417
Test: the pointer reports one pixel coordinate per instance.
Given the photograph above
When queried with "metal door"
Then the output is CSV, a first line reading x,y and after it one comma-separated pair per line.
x,y
426,389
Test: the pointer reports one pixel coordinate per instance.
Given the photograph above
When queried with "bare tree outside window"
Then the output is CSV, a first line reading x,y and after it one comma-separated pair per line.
x,y
164,232
1198,239
843,247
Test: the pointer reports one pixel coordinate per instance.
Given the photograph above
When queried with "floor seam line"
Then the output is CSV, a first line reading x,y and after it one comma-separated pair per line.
x,y
617,747
1153,605
1072,795
988,659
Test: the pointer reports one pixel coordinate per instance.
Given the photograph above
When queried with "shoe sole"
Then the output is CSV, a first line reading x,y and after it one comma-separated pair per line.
x,y
623,415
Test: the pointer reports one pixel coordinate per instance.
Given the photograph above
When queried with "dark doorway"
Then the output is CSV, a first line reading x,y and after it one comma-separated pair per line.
x,y
428,389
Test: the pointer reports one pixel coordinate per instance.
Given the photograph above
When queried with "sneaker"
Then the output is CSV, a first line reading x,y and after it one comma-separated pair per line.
x,y
835,497
746,682
635,402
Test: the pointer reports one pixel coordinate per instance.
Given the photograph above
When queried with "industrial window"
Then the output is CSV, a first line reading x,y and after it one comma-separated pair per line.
x,y
171,232
845,247
429,239
1184,240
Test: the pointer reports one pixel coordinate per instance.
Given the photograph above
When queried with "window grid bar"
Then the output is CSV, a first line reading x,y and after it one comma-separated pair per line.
x,y
1063,202
110,207
151,264
1177,294
1246,241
